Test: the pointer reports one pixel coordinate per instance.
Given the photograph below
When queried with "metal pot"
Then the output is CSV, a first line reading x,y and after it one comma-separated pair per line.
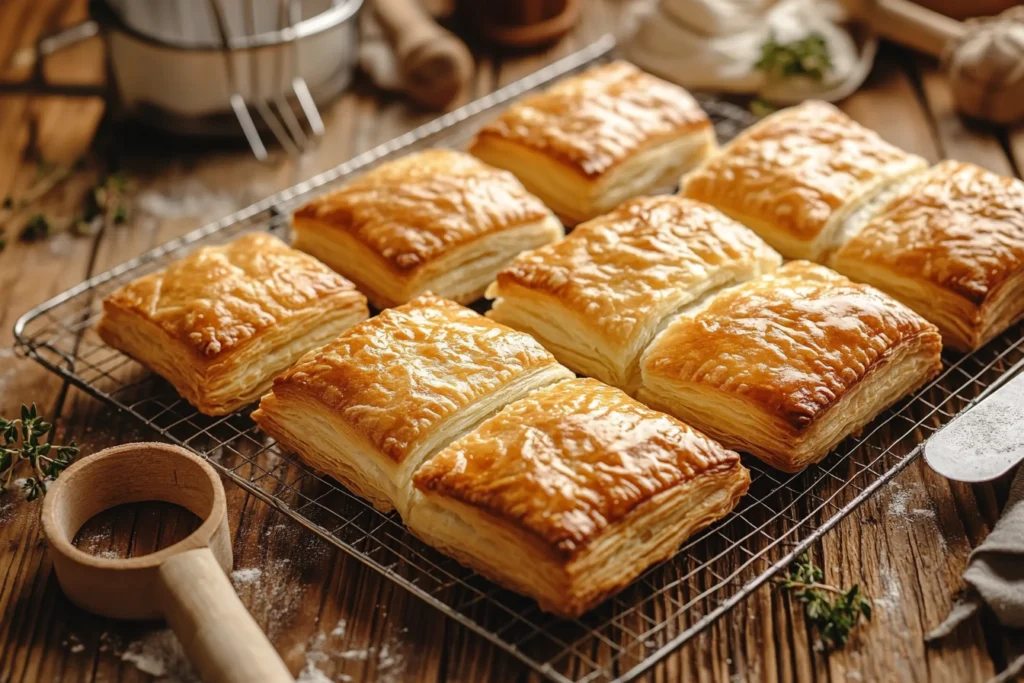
x,y
197,66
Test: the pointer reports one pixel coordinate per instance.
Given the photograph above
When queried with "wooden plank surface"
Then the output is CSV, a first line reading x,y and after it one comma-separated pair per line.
x,y
328,614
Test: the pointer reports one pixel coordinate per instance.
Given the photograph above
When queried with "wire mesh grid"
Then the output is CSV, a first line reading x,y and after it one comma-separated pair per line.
x,y
668,605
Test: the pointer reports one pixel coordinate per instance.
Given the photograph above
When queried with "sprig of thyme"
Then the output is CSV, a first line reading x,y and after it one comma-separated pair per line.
x,y
105,203
832,610
46,459
808,57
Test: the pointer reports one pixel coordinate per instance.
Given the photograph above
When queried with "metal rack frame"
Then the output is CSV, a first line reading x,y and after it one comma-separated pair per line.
x,y
667,606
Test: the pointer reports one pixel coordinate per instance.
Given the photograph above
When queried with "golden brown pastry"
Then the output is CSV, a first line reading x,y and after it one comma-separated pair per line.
x,y
570,493
596,139
373,404
438,221
222,322
597,298
796,176
788,365
949,244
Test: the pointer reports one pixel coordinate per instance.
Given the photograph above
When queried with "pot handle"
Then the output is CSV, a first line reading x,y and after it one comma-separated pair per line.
x,y
32,58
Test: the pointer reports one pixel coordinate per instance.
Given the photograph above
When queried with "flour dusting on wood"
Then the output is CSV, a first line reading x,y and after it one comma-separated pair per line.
x,y
245,577
159,654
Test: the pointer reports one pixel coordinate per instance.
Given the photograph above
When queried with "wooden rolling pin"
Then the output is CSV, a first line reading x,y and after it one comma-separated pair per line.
x,y
434,65
984,57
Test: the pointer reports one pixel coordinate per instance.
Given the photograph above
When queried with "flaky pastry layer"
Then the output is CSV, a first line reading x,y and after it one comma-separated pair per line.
x,y
796,175
571,492
577,197
222,322
461,275
788,365
594,140
950,245
598,297
371,405
438,219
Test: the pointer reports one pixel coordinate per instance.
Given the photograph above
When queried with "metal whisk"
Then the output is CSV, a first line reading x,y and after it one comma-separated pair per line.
x,y
275,111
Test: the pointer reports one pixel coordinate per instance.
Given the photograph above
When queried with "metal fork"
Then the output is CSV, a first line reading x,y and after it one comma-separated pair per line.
x,y
275,111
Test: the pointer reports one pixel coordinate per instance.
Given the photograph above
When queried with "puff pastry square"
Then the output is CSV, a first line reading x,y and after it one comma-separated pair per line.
x,y
570,493
597,298
221,323
788,365
596,139
438,221
373,404
950,245
795,177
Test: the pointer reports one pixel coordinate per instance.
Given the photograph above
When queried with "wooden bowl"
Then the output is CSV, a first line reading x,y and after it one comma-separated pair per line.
x,y
522,24
958,9
185,583
123,588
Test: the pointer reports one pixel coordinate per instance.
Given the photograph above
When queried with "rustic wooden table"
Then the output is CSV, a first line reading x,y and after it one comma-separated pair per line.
x,y
330,617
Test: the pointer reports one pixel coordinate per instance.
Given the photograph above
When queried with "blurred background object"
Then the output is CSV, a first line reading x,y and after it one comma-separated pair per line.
x,y
785,51
520,24
984,56
791,50
196,67
405,50
965,9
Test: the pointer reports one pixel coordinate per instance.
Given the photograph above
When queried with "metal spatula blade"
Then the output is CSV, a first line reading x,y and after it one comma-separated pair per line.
x,y
985,442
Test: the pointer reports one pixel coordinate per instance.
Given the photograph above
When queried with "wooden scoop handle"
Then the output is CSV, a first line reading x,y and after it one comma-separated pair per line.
x,y
436,66
910,24
220,637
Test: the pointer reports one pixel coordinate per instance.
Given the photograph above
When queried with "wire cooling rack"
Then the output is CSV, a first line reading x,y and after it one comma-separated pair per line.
x,y
668,605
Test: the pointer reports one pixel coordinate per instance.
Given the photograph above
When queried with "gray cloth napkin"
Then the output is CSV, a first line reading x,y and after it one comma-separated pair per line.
x,y
995,577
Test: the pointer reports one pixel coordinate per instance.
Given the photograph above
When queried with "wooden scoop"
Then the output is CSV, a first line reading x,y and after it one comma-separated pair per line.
x,y
984,56
186,583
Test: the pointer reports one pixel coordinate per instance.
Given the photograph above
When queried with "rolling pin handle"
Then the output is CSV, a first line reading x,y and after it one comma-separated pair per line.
x,y
219,636
912,25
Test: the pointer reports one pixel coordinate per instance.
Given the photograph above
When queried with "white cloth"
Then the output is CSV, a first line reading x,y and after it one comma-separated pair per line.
x,y
995,577
715,45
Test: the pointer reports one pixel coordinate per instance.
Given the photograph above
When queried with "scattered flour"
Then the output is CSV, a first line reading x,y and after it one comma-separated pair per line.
x,y
6,376
187,199
73,643
315,656
898,502
61,244
159,654
390,662
890,601
339,630
311,674
109,554
277,595
245,577
901,511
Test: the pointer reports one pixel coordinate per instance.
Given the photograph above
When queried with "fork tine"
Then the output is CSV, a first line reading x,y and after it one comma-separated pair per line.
x,y
274,124
299,85
308,106
287,114
238,105
248,127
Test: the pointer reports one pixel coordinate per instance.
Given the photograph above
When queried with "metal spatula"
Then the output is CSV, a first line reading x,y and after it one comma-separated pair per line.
x,y
985,442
